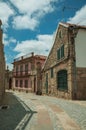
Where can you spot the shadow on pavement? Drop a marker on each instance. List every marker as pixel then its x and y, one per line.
pixel 15 117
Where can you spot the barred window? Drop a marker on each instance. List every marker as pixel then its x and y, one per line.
pixel 62 80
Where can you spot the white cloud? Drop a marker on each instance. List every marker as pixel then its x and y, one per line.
pixel 12 40
pixel 80 17
pixel 32 11
pixel 5 13
pixel 41 45
pixel 7 41
pixel 31 6
pixel 24 22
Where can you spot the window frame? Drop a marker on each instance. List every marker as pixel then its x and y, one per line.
pixel 21 68
pixel 17 69
pixel 62 80
pixel 60 33
pixel 21 83
pixel 16 83
pixel 60 52
pixel 26 68
pixel 52 73
pixel 26 83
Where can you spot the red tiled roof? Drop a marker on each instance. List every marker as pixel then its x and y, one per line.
pixel 41 56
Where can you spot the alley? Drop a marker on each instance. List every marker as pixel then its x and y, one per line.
pixel 50 113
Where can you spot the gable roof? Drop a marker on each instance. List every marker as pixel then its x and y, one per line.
pixel 70 24
pixel 51 47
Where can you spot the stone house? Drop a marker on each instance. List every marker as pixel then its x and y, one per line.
pixel 27 73
pixel 64 72
pixel 2 65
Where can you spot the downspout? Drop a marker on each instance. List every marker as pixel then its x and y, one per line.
pixel 74 31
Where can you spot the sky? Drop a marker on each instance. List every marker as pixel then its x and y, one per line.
pixel 30 25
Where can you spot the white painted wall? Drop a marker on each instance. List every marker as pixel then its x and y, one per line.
pixel 80 48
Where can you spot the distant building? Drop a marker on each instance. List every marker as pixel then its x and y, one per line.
pixel 64 72
pixel 2 65
pixel 25 73
pixel 8 79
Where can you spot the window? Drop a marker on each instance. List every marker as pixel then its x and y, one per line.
pixel 21 69
pixel 46 76
pixel 46 84
pixel 21 83
pixel 16 70
pixel 26 83
pixel 51 72
pixel 60 52
pixel 60 34
pixel 62 80
pixel 16 84
pixel 26 68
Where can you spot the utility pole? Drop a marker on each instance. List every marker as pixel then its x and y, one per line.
pixel 67 8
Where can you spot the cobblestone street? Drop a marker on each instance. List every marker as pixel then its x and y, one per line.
pixel 50 113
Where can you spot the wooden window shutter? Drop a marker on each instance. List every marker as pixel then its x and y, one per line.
pixel 58 54
pixel 62 51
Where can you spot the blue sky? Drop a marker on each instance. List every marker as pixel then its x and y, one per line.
pixel 30 25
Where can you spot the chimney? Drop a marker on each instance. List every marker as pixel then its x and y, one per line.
pixel 32 53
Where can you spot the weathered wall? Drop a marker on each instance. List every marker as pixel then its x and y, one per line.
pixel 65 63
pixel 81 83
pixel 52 58
pixel 2 65
pixel 53 82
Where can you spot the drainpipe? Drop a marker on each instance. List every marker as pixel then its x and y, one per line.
pixel 74 31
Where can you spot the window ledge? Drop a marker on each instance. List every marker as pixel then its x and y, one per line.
pixel 64 90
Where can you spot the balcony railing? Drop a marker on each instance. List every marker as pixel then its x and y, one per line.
pixel 24 57
pixel 22 73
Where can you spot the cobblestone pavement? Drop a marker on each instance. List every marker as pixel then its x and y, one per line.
pixel 50 113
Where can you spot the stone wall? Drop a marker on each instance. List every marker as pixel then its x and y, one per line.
pixel 53 82
pixel 65 63
pixel 81 83
pixel 2 65
pixel 52 58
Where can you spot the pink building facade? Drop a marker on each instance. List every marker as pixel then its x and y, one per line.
pixel 25 72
